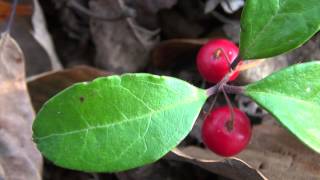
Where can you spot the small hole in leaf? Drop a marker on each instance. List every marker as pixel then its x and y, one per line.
pixel 81 99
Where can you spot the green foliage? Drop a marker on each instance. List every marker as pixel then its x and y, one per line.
pixel 293 97
pixel 272 27
pixel 116 123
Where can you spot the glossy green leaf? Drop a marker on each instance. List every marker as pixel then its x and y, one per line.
pixel 272 27
pixel 292 95
pixel 117 123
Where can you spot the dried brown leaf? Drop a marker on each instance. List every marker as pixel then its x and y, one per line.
pixel 36 58
pixel 233 168
pixel 171 52
pixel 273 153
pixel 123 45
pixel 19 158
pixel 44 86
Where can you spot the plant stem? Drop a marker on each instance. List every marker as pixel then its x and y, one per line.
pixel 235 62
pixel 234 89
pixel 212 90
pixel 230 123
pixel 211 105
pixel 228 89
pixel 225 56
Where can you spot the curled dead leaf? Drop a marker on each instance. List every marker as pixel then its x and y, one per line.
pixel 19 158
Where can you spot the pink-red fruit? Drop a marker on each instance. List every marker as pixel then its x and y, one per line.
pixel 213 58
pixel 223 137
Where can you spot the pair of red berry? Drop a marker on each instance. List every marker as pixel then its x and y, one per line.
pixel 226 131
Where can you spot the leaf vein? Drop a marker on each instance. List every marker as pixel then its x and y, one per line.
pixel 151 113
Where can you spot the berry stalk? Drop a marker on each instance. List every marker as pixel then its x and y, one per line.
pixel 229 123
pixel 235 62
pixel 228 89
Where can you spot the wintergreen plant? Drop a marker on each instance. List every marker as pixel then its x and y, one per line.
pixel 117 123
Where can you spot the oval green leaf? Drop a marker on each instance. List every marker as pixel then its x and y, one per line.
pixel 272 27
pixel 116 123
pixel 292 95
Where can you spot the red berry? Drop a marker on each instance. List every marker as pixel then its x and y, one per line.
pixel 212 62
pixel 221 137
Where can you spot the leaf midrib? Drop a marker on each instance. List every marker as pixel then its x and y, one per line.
pixel 308 142
pixel 250 46
pixel 187 101
pixel 284 96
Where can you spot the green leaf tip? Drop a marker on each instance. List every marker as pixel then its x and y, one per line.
pixel 273 27
pixel 292 96
pixel 117 123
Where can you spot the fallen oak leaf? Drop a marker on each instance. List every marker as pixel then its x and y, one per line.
pixel 19 157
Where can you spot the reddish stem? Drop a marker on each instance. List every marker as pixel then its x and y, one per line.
pixel 230 123
pixel 218 51
pixel 235 62
pixel 228 89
